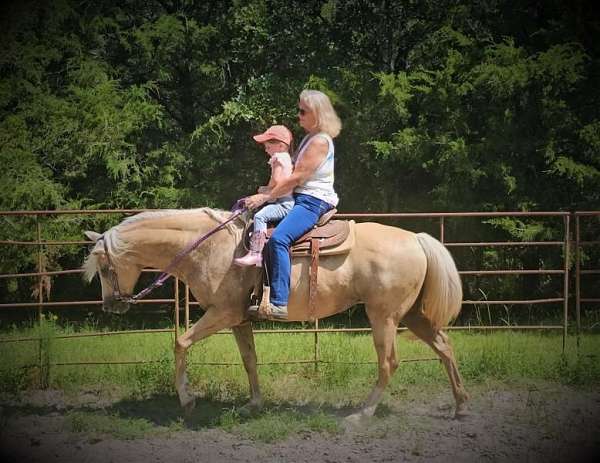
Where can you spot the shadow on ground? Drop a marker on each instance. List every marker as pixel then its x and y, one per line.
pixel 164 410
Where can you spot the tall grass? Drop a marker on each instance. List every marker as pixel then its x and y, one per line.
pixel 344 376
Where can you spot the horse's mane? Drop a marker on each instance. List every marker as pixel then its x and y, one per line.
pixel 117 246
pixel 219 215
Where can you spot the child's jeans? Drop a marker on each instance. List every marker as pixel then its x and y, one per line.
pixel 272 213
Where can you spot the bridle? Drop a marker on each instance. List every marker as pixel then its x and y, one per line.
pixel 111 272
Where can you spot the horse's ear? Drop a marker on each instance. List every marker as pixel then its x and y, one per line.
pixel 92 235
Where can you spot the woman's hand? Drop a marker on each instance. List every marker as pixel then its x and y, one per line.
pixel 263 189
pixel 255 201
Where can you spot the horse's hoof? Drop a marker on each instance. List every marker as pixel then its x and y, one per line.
pixel 188 407
pixel 249 410
pixel 356 420
pixel 353 419
pixel 461 412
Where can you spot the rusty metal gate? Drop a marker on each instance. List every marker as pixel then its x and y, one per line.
pixel 562 246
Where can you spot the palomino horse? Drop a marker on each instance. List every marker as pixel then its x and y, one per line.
pixel 398 275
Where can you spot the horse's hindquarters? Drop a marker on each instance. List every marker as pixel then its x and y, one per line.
pixel 390 267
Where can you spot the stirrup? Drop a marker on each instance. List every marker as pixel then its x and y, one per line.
pixel 275 312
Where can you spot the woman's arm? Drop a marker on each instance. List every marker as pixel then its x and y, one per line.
pixel 312 158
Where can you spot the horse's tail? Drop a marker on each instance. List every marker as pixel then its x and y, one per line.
pixel 441 295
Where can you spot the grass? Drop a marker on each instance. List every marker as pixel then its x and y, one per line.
pixel 99 423
pixel 277 424
pixel 271 426
pixel 299 398
pixel 348 369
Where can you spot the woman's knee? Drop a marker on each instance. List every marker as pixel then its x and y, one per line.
pixel 279 240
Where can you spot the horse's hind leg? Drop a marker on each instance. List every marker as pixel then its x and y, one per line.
pixel 245 341
pixel 384 336
pixel 212 321
pixel 440 343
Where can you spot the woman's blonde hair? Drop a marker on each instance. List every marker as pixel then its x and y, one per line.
pixel 327 119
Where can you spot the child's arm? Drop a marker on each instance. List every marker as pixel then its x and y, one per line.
pixel 276 175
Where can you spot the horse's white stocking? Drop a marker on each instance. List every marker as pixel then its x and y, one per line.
pixel 245 341
pixel 440 343
pixel 186 398
pixel 212 321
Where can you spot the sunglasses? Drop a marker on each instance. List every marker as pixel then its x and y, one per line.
pixel 301 111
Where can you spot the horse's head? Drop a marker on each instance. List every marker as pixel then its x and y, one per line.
pixel 151 239
pixel 118 274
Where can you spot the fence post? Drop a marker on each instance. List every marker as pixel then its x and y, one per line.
pixel 566 281
pixel 176 297
pixel 44 342
pixel 187 307
pixel 39 268
pixel 316 344
pixel 577 280
pixel 442 229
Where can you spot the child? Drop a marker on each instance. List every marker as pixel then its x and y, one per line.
pixel 277 141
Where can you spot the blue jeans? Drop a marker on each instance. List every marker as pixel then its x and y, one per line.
pixel 304 215
pixel 271 213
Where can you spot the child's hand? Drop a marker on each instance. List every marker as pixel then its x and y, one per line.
pixel 255 201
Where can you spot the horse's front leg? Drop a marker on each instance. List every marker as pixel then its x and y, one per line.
pixel 245 341
pixel 212 321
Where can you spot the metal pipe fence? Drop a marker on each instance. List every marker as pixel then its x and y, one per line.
pixel 579 271
pixel 563 245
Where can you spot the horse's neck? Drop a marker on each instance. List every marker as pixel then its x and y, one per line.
pixel 156 247
pixel 153 248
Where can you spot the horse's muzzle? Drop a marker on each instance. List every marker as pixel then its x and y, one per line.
pixel 114 305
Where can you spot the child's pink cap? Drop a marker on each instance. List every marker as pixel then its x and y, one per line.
pixel 275 132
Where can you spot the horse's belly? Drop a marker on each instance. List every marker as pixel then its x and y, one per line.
pixel 335 286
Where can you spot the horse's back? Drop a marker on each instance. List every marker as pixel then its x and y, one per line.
pixel 377 241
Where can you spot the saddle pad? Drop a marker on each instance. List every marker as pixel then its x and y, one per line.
pixel 339 243
pixel 333 231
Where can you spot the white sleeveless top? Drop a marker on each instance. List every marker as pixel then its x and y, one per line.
pixel 320 183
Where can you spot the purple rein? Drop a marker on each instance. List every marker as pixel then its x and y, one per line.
pixel 237 210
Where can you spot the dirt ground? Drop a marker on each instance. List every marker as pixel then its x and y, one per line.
pixel 530 423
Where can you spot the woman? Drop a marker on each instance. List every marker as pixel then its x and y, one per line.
pixel 312 182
